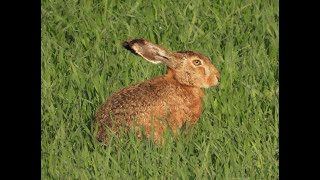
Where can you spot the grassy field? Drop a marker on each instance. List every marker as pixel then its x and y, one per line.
pixel 83 62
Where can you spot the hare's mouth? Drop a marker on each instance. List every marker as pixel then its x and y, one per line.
pixel 212 81
pixel 216 79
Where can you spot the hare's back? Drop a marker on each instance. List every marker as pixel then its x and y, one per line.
pixel 138 100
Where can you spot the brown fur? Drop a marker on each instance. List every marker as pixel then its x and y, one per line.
pixel 173 99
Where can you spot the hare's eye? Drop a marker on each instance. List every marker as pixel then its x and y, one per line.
pixel 196 62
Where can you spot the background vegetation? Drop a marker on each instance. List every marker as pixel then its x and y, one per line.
pixel 83 62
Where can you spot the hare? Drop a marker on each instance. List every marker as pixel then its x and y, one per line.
pixel 171 100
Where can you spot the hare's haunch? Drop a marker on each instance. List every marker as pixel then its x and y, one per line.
pixel 172 99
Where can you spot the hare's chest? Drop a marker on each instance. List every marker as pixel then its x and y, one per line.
pixel 186 103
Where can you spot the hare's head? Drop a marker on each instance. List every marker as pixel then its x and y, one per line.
pixel 189 68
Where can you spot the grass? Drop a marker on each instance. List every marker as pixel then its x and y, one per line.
pixel 83 62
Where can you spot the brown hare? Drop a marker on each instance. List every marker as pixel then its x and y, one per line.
pixel 170 100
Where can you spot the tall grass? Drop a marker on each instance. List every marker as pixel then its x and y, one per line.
pixel 83 62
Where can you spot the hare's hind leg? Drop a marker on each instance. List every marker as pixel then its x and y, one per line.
pixel 101 135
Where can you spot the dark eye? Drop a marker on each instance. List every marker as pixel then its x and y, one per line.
pixel 196 62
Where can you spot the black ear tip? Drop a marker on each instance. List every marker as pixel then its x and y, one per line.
pixel 128 46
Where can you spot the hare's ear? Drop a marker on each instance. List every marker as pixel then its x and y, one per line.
pixel 149 51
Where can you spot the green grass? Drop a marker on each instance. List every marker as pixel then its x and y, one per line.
pixel 83 62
